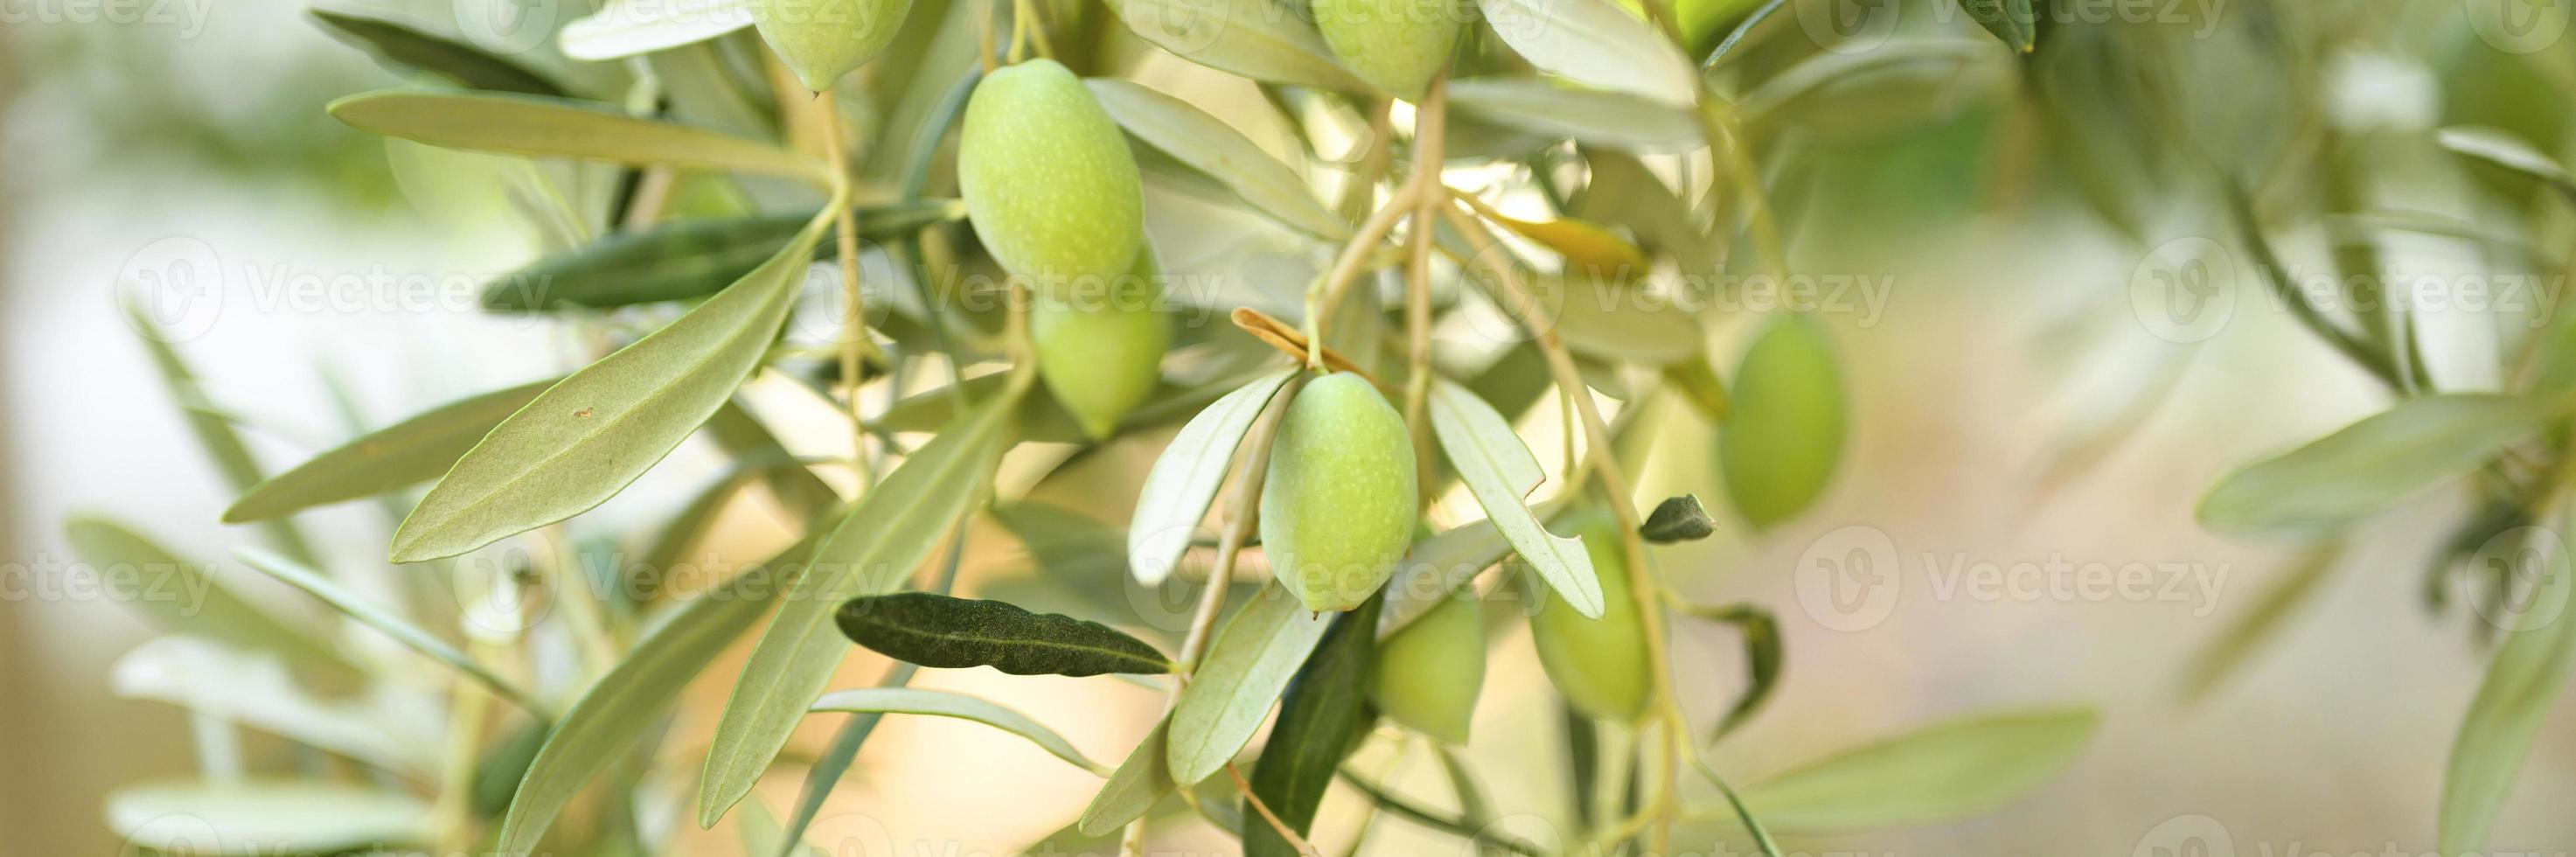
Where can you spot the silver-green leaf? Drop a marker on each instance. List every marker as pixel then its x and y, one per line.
pixel 409 452
pixel 1500 470
pixel 1210 146
pixel 541 126
pixel 1246 667
pixel 1247 37
pixel 2521 684
pixel 1184 481
pixel 1943 772
pixel 2369 466
pixel 1595 43
pixel 940 703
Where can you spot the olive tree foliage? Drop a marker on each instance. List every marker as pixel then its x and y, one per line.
pixel 932 216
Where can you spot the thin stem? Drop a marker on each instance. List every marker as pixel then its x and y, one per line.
pixel 1408 811
pixel 1761 837
pixel 1737 35
pixel 1253 800
pixel 1327 292
pixel 1430 131
pixel 855 343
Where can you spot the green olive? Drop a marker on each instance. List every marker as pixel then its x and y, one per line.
pixel 1599 664
pixel 1784 430
pixel 1338 506
pixel 820 40
pixel 1428 674
pixel 1100 350
pixel 1047 177
pixel 1395 45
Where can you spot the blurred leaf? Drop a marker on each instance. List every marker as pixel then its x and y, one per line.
pixel 1439 565
pixel 1678 519
pixel 2370 465
pixel 1186 477
pixel 762 837
pixel 2235 644
pixel 687 258
pixel 1246 666
pixel 1606 118
pixel 1501 472
pixel 1763 657
pixel 1042 419
pixel 940 703
pixel 1251 38
pixel 1133 788
pixel 869 552
pixel 1697 383
pixel 504 763
pixel 586 438
pixel 618 709
pixel 756 450
pixel 1595 43
pixel 406 453
pixel 536 126
pixel 1615 321
pixel 412 636
pixel 1324 715
pixel 2010 20
pixel 960 633
pixel 1784 431
pixel 2521 684
pixel 1941 773
pixel 1624 192
pixel 179 597
pixel 214 434
pixel 1210 146
pixel 254 689
pixel 625 28
pixel 2505 150
pixel 265 817
pixel 1590 252
pixel 405 47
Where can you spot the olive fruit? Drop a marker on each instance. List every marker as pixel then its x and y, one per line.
pixel 1100 349
pixel 820 40
pixel 1338 506
pixel 1048 180
pixel 1395 45
pixel 1784 430
pixel 1428 674
pixel 1598 664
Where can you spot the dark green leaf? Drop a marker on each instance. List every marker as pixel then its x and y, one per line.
pixel 2010 20
pixel 402 45
pixel 1678 519
pixel 959 633
pixel 412 451
pixel 686 258
pixel 1325 712
pixel 1762 659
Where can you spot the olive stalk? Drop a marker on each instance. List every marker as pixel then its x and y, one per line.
pixel 1429 131
pixel 1327 292
pixel 855 344
pixel 1244 787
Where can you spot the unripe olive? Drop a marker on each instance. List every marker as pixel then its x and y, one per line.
pixel 1784 428
pixel 1428 674
pixel 1100 345
pixel 1048 180
pixel 1395 45
pixel 1338 506
pixel 1598 664
pixel 820 40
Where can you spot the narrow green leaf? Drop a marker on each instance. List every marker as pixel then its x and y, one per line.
pixel 295 574
pixel 265 817
pixel 686 258
pixel 1243 672
pixel 1607 118
pixel 940 703
pixel 180 597
pixel 1325 713
pixel 1185 479
pixel 1042 419
pixel 402 45
pixel 2237 643
pixel 1210 146
pixel 1697 382
pixel 409 452
pixel 625 28
pixel 2521 684
pixel 1763 656
pixel 959 633
pixel 2010 20
pixel 2502 149
pixel 538 126
pixel 1501 471
pixel 1595 43
pixel 1614 321
pixel 868 552
pixel 1944 772
pixel 1783 436
pixel 1678 519
pixel 2370 465
pixel 214 433
pixel 1133 789
pixel 1247 37
pixel 254 689
pixel 617 710
pixel 585 438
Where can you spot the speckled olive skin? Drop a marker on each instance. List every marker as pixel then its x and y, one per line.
pixel 1048 180
pixel 1598 664
pixel 1427 675
pixel 1100 345
pixel 1338 507
pixel 1396 45
pixel 820 40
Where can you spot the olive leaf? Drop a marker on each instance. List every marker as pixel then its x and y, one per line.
pixel 1620 321
pixel 868 552
pixel 1044 420
pixel 1501 471
pixel 266 817
pixel 407 47
pixel 1247 37
pixel 940 703
pixel 1595 43
pixel 1678 519
pixel 1763 656
pixel 2502 149
pixel 1133 788
pixel 1943 772
pixel 1325 712
pixel 2236 643
pixel 587 437
pixel 1783 435
pixel 193 602
pixel 539 126
pixel 2368 466
pixel 2010 20
pixel 623 705
pixel 1185 479
pixel 1616 119
pixel 1590 251
pixel 405 453
pixel 213 431
pixel 2521 684
pixel 958 633
pixel 254 689
pixel 1210 146
pixel 686 258
pixel 625 28
pixel 1697 382
pixel 412 636
pixel 1246 666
